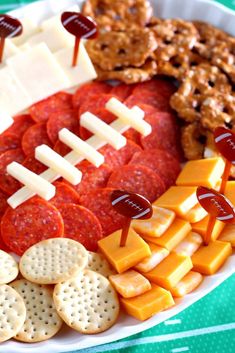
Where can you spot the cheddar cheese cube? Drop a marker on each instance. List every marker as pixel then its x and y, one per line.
pixel 130 284
pixel 170 271
pixel 189 245
pixel 156 225
pixel 208 259
pixel 202 172
pixel 230 191
pixel 187 284
pixel 123 258
pixel 173 236
pixel 196 214
pixel 201 227
pixel 179 199
pixel 228 234
pixel 158 254
pixel 148 304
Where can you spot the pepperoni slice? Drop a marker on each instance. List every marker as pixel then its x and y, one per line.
pixel 99 202
pixel 151 98
pixel 3 202
pixel 122 91
pixel 86 91
pixel 137 178
pixel 8 141
pixel 20 125
pixel 8 184
pixel 42 110
pixel 161 162
pixel 118 158
pixel 82 225
pixel 92 177
pixel 3 245
pixel 64 195
pixel 35 136
pixel 34 165
pixel 59 120
pixel 164 135
pixel 96 106
pixel 29 223
pixel 61 148
pixel 162 86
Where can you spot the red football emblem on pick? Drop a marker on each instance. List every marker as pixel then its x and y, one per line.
pixel 225 142
pixel 216 204
pixel 131 205
pixel 9 27
pixel 79 25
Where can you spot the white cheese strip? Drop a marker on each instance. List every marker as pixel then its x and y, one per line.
pixel 128 116
pixel 33 181
pixel 139 113
pixel 50 175
pixel 5 121
pixel 81 147
pixel 53 160
pixel 84 70
pixel 38 72
pixel 103 130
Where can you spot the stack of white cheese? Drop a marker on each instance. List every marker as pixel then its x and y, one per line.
pixel 37 64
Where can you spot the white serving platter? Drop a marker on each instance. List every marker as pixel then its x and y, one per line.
pixel 68 340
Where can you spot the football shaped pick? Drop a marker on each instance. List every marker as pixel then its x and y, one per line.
pixel 132 206
pixel 9 27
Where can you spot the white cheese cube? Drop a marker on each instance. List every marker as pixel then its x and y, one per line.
pixel 30 27
pixel 56 20
pixel 5 121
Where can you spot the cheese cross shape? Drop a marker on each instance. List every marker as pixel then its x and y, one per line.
pixel 33 181
pixel 128 116
pixel 103 130
pixel 81 147
pixel 54 161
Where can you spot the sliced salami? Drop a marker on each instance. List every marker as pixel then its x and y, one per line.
pixel 35 136
pixel 118 158
pixel 92 177
pixel 139 179
pixel 86 91
pixel 99 202
pixel 3 202
pixel 64 195
pixel 29 223
pixel 161 86
pixel 151 98
pixel 164 135
pixel 122 91
pixel 161 162
pixel 42 110
pixel 34 165
pixel 82 225
pixel 20 125
pixel 62 119
pixel 8 141
pixel 61 148
pixel 8 184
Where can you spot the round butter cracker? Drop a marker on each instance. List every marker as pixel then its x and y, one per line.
pixel 8 268
pixel 53 260
pixel 12 312
pixel 42 321
pixel 87 303
pixel 98 263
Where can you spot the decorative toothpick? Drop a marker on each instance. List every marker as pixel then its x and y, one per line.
pixel 9 27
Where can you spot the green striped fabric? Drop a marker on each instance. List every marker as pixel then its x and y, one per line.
pixel 208 326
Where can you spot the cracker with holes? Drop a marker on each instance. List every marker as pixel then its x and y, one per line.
pixel 98 263
pixel 87 303
pixel 12 312
pixel 8 268
pixel 53 260
pixel 42 321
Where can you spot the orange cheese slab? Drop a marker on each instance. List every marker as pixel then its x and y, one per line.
pixel 187 284
pixel 228 234
pixel 148 304
pixel 158 254
pixel 123 258
pixel 170 271
pixel 179 199
pixel 156 225
pixel 208 259
pixel 202 172
pixel 189 245
pixel 130 284
pixel 201 227
pixel 173 236
pixel 230 191
pixel 196 214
